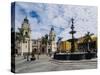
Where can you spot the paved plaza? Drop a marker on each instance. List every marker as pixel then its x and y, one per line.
pixel 45 63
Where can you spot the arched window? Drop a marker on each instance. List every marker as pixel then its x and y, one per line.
pixel 26 33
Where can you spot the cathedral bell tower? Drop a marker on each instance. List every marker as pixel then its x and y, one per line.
pixel 52 37
pixel 26 46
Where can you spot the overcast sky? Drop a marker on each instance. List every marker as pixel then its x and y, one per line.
pixel 43 16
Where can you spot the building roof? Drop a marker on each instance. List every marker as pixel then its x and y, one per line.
pixel 81 40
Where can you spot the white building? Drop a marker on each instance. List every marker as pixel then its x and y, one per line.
pixel 52 37
pixel 25 44
pixel 25 38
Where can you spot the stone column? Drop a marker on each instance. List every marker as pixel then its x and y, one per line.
pixel 21 47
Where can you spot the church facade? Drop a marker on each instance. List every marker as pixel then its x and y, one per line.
pixel 52 37
pixel 25 39
pixel 25 44
pixel 45 48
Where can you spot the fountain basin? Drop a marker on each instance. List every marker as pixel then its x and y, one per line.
pixel 74 56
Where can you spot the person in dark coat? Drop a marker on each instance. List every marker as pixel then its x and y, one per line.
pixel 33 55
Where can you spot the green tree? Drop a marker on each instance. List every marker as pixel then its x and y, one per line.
pixel 87 40
pixel 21 38
pixel 20 35
pixel 45 41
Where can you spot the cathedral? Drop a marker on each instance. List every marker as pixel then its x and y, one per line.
pixel 49 47
pixel 25 44
pixel 25 36
pixel 52 37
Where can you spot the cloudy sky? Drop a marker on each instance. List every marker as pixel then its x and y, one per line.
pixel 43 16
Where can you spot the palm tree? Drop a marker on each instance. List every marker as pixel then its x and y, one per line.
pixel 45 41
pixel 20 37
pixel 58 43
pixel 87 40
pixel 22 40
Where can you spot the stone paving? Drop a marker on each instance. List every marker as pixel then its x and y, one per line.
pixel 45 63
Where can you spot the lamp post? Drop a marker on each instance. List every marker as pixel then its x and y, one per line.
pixel 88 40
pixel 28 55
pixel 46 39
pixel 28 50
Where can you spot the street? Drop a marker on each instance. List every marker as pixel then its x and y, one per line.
pixel 45 63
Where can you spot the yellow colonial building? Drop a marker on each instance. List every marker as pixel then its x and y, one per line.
pixel 64 46
pixel 80 44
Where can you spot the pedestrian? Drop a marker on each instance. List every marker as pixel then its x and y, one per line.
pixel 33 56
pixel 38 55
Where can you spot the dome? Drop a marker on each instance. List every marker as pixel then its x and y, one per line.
pixel 52 28
pixel 25 19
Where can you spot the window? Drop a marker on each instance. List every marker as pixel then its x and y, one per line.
pixel 26 46
pixel 34 42
pixel 26 33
